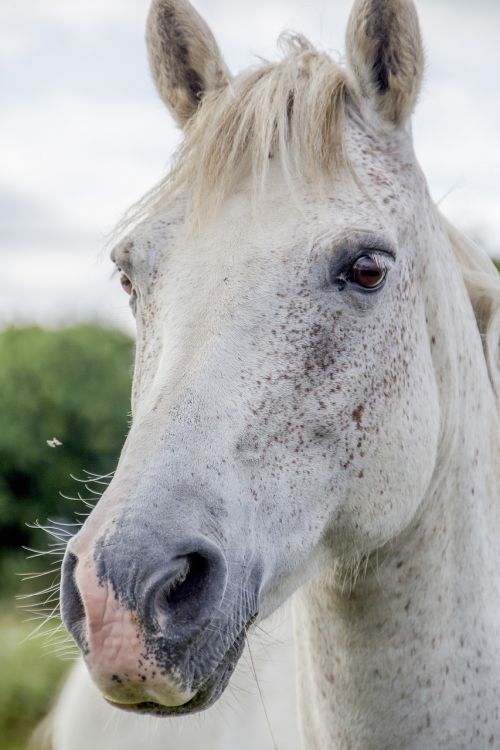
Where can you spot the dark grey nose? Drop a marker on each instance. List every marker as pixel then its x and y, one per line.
pixel 173 595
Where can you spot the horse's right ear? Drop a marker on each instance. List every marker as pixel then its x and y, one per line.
pixel 184 57
pixel 385 53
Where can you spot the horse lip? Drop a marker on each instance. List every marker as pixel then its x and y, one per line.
pixel 202 699
pixel 144 706
pixel 210 690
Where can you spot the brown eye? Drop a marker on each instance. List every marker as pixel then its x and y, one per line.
pixel 126 283
pixel 368 272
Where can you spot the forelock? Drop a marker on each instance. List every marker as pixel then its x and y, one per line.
pixel 292 110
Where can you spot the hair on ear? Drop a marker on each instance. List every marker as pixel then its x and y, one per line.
pixel 184 57
pixel 385 53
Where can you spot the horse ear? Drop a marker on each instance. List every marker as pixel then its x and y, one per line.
pixel 385 53
pixel 184 57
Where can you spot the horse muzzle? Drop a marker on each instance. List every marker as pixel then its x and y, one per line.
pixel 152 627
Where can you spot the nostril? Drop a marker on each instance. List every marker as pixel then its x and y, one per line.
pixel 184 599
pixel 181 597
pixel 72 609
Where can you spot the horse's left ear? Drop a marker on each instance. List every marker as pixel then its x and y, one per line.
pixel 185 60
pixel 385 53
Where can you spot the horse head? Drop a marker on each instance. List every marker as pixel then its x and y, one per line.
pixel 288 280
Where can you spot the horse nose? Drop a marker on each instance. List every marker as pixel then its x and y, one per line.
pixel 175 600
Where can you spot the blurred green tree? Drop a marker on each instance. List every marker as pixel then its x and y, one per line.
pixel 72 384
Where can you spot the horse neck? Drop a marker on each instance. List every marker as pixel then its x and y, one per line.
pixel 409 658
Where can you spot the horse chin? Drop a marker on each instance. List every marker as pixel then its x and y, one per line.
pixel 208 693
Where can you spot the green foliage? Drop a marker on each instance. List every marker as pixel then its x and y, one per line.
pixel 72 384
pixel 29 677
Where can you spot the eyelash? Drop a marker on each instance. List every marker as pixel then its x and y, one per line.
pixel 348 276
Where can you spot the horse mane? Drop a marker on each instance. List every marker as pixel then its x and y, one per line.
pixel 482 282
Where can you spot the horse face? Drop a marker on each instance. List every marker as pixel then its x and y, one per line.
pixel 285 412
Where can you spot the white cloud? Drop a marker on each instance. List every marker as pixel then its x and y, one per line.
pixel 60 287
pixel 88 164
pixel 64 12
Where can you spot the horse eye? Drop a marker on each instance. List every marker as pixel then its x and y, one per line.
pixel 126 283
pixel 368 272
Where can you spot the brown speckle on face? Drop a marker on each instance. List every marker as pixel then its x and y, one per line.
pixel 358 414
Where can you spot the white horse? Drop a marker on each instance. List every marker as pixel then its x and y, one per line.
pixel 315 406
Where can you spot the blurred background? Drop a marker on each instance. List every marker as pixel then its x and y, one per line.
pixel 84 135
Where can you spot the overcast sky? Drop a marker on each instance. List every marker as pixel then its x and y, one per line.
pixel 83 133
